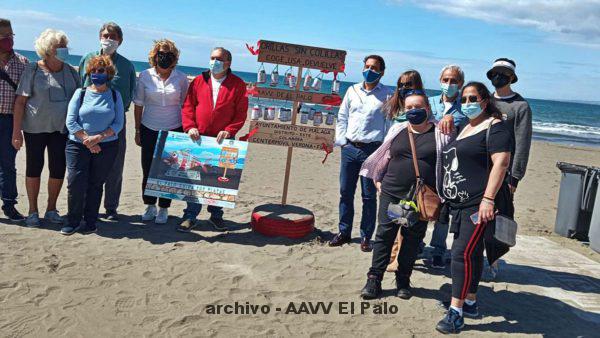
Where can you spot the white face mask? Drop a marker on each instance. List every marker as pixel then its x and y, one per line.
pixel 109 46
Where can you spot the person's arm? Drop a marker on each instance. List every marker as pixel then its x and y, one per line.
pixel 240 111
pixel 71 122
pixel 500 162
pixel 342 123
pixel 523 131
pixel 138 101
pixel 188 112
pixel 19 111
pixel 132 83
pixel 117 124
pixel 81 69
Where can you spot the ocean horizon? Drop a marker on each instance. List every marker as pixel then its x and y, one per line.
pixel 572 122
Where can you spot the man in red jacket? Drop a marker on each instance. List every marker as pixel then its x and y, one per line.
pixel 216 105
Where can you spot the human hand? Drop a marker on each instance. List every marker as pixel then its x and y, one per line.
pixel 378 187
pixel 194 134
pixel 138 139
pixel 222 135
pixel 446 125
pixel 486 211
pixel 91 141
pixel 512 188
pixel 95 149
pixel 17 139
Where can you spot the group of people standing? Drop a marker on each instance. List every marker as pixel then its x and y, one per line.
pixel 78 117
pixel 467 144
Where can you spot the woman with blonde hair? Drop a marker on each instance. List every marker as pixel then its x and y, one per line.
pixel 40 111
pixel 160 92
pixel 96 116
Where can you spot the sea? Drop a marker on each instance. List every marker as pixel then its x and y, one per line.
pixel 570 123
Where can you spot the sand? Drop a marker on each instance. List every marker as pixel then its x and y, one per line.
pixel 135 279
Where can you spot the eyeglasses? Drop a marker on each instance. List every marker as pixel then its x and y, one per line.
pixel 101 70
pixel 469 99
pixel 405 84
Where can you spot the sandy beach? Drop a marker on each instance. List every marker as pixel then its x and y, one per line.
pixel 135 279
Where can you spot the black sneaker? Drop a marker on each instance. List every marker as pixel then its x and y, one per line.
pixel 68 230
pixel 111 215
pixel 403 289
pixel 12 213
pixel 218 223
pixel 471 311
pixel 372 289
pixel 87 229
pixel 452 322
pixel 437 262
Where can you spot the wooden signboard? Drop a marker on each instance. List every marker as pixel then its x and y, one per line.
pixel 302 96
pixel 302 56
pixel 291 135
pixel 283 134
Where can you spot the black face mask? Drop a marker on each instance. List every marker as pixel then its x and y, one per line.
pixel 500 80
pixel 165 59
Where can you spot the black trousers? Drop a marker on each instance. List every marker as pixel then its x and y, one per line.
pixel 35 146
pixel 87 174
pixel 467 252
pixel 386 235
pixel 148 138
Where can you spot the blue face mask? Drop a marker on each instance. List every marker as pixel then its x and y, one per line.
pixel 449 90
pixel 215 66
pixel 99 79
pixel 416 115
pixel 62 54
pixel 471 110
pixel 370 75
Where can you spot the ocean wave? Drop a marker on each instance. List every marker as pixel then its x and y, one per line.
pixel 568 130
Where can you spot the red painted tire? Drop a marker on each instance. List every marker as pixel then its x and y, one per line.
pixel 271 225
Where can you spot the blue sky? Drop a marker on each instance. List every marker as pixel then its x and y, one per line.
pixel 556 44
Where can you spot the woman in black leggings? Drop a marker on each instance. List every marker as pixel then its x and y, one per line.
pixel 474 168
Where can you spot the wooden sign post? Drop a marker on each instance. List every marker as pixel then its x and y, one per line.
pixel 316 138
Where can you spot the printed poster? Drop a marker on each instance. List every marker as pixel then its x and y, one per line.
pixel 202 172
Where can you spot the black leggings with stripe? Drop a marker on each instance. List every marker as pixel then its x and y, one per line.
pixel 467 253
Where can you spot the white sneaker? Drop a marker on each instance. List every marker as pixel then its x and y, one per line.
pixel 162 217
pixel 53 217
pixel 150 213
pixel 33 220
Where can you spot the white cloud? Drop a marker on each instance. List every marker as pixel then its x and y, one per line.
pixel 568 21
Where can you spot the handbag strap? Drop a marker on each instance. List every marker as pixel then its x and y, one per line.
pixel 414 152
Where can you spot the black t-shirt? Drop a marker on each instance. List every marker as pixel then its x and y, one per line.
pixel 400 175
pixel 465 164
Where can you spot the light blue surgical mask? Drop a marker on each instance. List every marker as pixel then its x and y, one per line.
pixel 449 90
pixel 471 110
pixel 215 66
pixel 62 54
pixel 370 75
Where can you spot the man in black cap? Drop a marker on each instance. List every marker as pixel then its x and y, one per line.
pixel 517 115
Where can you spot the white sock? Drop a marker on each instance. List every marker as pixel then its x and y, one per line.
pixel 470 302
pixel 457 309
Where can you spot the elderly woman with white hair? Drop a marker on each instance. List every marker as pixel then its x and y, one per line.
pixel 40 112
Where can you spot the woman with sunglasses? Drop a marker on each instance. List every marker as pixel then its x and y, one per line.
pixel 40 110
pixel 94 119
pixel 474 167
pixel 407 82
pixel 159 95
pixel 392 169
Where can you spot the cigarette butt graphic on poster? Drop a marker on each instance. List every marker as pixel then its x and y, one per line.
pixel 202 171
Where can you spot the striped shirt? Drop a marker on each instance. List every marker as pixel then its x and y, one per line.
pixel 14 68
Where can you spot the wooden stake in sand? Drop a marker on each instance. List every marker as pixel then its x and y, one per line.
pixel 283 134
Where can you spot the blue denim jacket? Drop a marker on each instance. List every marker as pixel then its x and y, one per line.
pixel 437 109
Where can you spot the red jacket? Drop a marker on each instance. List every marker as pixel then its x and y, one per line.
pixel 230 111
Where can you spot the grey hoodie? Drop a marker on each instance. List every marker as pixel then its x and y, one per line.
pixel 517 114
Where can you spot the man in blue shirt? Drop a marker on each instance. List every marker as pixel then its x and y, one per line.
pixel 124 81
pixel 360 130
pixel 446 109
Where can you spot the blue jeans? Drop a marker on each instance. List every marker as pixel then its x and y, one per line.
pixel 193 210
pixel 352 159
pixel 438 239
pixel 8 171
pixel 87 173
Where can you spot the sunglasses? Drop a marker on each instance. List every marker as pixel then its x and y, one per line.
pixel 469 99
pixel 500 73
pixel 405 84
pixel 101 70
